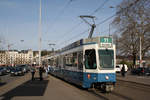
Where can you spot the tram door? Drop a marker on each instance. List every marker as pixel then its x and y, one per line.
pixel 80 66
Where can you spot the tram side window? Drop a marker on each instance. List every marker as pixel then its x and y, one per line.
pixel 54 63
pixel 90 59
pixel 75 60
pixel 80 60
pixel 69 60
pixel 64 61
pixel 51 61
pixel 57 62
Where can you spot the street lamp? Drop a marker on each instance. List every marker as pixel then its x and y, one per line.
pixel 52 44
pixel 40 31
pixel 22 40
pixel 9 57
pixel 109 23
pixel 140 53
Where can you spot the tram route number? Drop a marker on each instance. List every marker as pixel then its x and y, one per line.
pixel 106 42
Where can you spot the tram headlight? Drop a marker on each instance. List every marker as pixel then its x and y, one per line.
pixel 106 77
pixel 89 76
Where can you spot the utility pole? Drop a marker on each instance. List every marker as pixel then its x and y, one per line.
pixel 40 32
pixel 140 53
pixel 109 29
pixel 9 57
pixel 93 26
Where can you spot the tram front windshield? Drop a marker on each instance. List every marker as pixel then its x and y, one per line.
pixel 90 59
pixel 106 58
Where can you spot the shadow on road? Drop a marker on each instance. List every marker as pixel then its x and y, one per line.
pixel 29 88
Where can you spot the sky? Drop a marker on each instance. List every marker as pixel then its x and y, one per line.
pixel 61 24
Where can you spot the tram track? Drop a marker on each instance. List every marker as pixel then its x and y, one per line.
pixel 109 96
pixel 134 85
pixel 97 92
pixel 117 94
pixel 123 90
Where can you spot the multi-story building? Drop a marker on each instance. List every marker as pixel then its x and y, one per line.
pixel 14 57
pixel 3 57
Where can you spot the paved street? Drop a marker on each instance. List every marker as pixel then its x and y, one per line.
pixel 7 79
pixel 52 88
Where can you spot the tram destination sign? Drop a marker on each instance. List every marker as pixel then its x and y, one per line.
pixel 106 42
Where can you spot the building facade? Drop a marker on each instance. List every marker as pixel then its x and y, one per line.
pixel 3 57
pixel 16 57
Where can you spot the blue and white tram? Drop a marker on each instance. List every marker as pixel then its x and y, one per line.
pixel 87 62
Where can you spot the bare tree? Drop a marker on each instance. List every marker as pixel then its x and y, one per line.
pixel 133 22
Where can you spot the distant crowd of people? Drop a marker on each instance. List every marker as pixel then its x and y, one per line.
pixel 41 70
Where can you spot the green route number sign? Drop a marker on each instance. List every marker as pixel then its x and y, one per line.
pixel 105 40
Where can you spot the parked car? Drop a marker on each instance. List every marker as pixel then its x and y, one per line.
pixel 3 71
pixel 8 69
pixel 147 71
pixel 119 67
pixel 138 71
pixel 25 68
pixel 17 71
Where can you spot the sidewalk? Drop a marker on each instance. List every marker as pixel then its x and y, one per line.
pixel 15 83
pixel 134 78
pixel 23 88
pixel 50 88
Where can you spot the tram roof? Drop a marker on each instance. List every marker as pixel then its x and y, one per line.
pixel 88 41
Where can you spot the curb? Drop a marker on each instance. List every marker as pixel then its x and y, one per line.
pixel 134 82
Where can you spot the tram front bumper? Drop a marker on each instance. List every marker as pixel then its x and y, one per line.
pixel 91 78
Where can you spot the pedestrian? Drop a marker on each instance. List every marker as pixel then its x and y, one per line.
pixel 41 73
pixel 123 71
pixel 48 68
pixel 46 71
pixel 32 72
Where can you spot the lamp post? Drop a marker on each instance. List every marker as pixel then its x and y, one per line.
pixel 40 31
pixel 52 44
pixel 9 57
pixel 23 59
pixel 109 29
pixel 109 23
pixel 140 53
